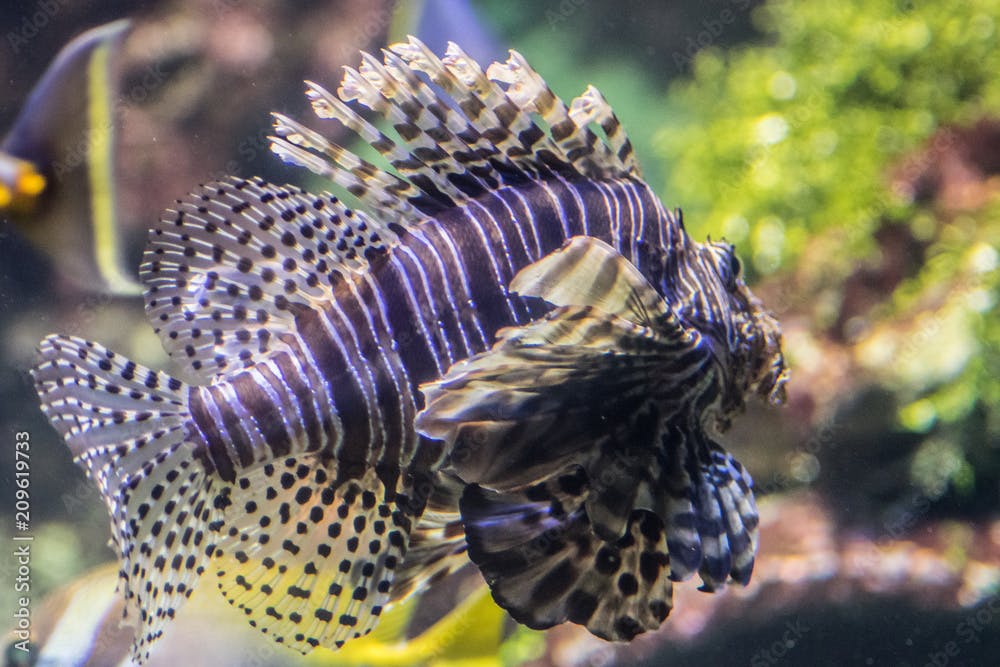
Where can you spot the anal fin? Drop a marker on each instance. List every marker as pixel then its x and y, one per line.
pixel 308 561
pixel 437 544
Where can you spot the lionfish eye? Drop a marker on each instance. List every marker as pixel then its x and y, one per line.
pixel 728 265
pixel 735 266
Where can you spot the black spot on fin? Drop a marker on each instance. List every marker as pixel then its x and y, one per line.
pixel 437 544
pixel 126 426
pixel 309 562
pixel 619 395
pixel 227 271
pixel 545 565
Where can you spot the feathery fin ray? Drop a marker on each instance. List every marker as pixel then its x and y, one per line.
pixel 126 426
pixel 227 271
pixel 309 562
pixel 478 137
pixel 581 421
pixel 545 566
pixel 602 382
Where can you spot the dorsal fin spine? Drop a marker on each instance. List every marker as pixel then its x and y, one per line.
pixel 479 136
pixel 460 142
pixel 473 93
pixel 507 115
pixel 416 56
pixel 437 146
pixel 304 137
pixel 528 90
pixel 591 107
pixel 397 205
pixel 327 105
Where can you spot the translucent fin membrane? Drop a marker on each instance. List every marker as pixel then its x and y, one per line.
pixel 227 271
pixel 474 132
pixel 126 426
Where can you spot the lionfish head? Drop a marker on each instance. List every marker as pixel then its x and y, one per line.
pixel 744 335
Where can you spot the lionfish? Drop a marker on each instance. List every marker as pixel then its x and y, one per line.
pixel 510 352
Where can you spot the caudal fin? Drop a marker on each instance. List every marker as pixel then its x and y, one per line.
pixel 127 427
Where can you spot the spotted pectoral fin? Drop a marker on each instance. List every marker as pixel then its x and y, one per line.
pixel 553 393
pixel 588 272
pixel 545 566
pixel 309 561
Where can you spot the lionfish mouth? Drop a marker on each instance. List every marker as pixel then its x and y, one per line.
pixel 770 374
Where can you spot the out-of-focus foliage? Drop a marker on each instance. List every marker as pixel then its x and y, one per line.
pixel 774 144
pixel 802 151
pixel 628 49
pixel 940 352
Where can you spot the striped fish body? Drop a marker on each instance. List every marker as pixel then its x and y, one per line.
pixel 509 350
pixel 351 387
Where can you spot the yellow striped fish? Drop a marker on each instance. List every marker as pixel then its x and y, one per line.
pixel 80 626
pixel 508 352
pixel 57 180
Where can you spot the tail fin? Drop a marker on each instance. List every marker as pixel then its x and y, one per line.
pixel 127 427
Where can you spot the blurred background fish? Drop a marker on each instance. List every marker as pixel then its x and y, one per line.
pixel 80 625
pixel 57 166
pixel 58 162
pixel 436 22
